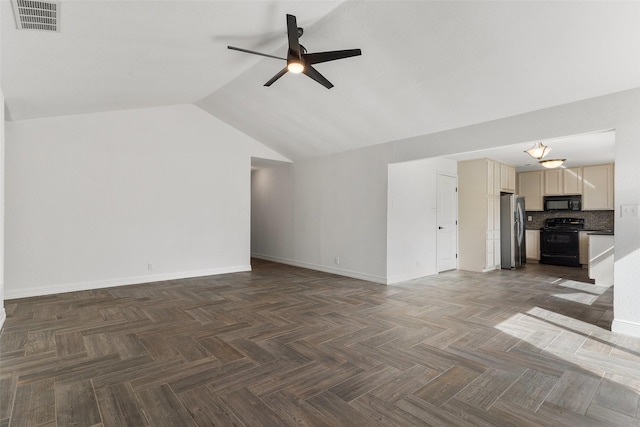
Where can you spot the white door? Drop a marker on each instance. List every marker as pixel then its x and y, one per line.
pixel 447 219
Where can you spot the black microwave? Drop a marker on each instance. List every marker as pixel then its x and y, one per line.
pixel 562 203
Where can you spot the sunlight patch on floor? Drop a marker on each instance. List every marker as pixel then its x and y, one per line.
pixel 578 297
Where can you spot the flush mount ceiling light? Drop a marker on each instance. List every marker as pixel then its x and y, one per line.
pixel 552 163
pixel 538 151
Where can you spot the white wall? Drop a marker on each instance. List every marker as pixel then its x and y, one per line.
pixel 411 218
pixel 3 314
pixel 272 190
pixel 311 212
pixel 322 226
pixel 92 199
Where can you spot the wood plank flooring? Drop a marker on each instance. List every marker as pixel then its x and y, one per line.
pixel 285 346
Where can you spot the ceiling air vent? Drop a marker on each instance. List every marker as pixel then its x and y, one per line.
pixel 37 15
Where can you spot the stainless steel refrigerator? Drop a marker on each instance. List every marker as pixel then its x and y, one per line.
pixel 512 236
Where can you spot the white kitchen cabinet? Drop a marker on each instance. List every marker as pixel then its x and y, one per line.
pixel 478 215
pixel 584 248
pixel 493 178
pixel 597 187
pixel 530 185
pixel 571 180
pixel 562 181
pixel 507 178
pixel 553 182
pixel 532 244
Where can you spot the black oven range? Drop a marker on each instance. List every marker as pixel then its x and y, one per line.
pixel 560 241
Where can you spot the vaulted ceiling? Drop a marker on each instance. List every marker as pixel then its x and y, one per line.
pixel 426 66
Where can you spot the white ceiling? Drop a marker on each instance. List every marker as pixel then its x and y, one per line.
pixel 426 66
pixel 578 150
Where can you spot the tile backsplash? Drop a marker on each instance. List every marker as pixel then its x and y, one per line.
pixel 593 220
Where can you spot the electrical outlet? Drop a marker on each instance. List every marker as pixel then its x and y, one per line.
pixel 629 211
pixel 337 260
pixel 149 266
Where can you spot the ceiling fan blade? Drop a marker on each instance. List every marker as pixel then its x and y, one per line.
pixel 315 75
pixel 318 57
pixel 292 34
pixel 255 53
pixel 277 76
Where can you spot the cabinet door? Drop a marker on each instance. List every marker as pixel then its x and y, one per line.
pixel 553 182
pixel 530 185
pixel 572 180
pixel 512 178
pixel 507 178
pixel 532 244
pixel 584 248
pixel 493 233
pixel 493 178
pixel 597 188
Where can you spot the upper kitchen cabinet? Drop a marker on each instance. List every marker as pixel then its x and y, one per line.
pixel 531 186
pixel 500 177
pixel 493 176
pixel 597 187
pixel 594 183
pixel 561 181
pixel 572 180
pixel 507 178
pixel 553 182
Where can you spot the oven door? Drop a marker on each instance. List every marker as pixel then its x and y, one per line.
pixel 559 247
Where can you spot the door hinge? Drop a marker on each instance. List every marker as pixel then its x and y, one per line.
pixel 456 256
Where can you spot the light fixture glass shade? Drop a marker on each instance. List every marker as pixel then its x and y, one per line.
pixel 538 151
pixel 295 67
pixel 552 163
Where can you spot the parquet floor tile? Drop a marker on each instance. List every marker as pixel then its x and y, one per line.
pixel 282 346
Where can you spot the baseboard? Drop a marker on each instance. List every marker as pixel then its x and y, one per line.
pixel 625 327
pixel 323 268
pixel 110 283
pixel 392 280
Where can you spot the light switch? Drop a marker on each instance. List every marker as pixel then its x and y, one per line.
pixel 629 211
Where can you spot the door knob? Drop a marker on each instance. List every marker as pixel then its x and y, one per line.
pixel 440 228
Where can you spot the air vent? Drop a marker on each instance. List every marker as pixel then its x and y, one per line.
pixel 37 15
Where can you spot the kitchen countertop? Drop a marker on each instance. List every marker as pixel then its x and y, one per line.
pixel 589 231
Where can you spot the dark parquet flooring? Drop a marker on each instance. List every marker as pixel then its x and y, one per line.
pixel 284 346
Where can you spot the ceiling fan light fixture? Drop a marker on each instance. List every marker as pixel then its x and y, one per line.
pixel 295 67
pixel 298 60
pixel 552 163
pixel 538 151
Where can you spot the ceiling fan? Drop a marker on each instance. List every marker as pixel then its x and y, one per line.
pixel 298 60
